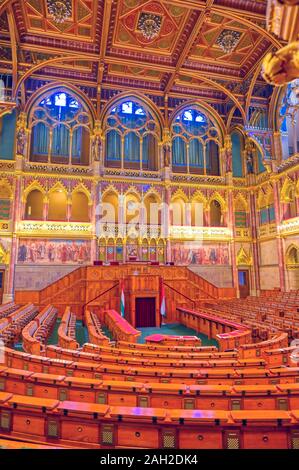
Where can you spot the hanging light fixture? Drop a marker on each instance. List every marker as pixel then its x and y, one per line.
pixel 150 25
pixel 60 10
pixel 228 40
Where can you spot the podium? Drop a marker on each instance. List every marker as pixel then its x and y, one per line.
pixel 143 294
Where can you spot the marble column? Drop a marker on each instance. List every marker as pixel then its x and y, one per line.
pixel 280 242
pixel 255 249
pixel 16 216
pixel 231 226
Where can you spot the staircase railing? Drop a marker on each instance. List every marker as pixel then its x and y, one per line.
pixel 98 297
pixel 180 293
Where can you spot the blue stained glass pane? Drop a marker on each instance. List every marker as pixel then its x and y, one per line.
pixel 187 116
pixel 60 100
pixel 127 108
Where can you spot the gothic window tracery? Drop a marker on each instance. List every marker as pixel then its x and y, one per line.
pixel 60 130
pixel 132 136
pixel 195 143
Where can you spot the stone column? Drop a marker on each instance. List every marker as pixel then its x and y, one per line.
pixel 255 250
pixel 69 208
pixel 16 217
pixel 231 226
pixel 93 217
pixel 166 222
pixel 280 241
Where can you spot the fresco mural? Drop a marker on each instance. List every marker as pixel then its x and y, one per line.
pixel 39 251
pixel 200 254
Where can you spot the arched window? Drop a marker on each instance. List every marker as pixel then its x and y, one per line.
pixel 178 211
pixel 290 205
pixel 57 205
pixel 5 201
pixel 133 207
pixel 132 148
pixel 241 218
pixel 179 152
pixel 110 207
pixel 152 210
pixel 2 90
pixel 195 143
pixel 80 211
pixel 293 256
pixel 216 214
pixel 34 205
pixel 60 130
pixel 113 148
pixel 150 152
pixel 132 136
pixel 237 151
pixel 288 120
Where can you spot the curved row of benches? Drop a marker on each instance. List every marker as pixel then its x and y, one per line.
pixel 7 309
pixel 86 425
pixel 149 362
pixel 12 325
pixel 94 328
pixel 35 334
pixel 260 349
pixel 91 367
pixel 283 396
pixel 229 334
pixel 67 330
pixel 119 327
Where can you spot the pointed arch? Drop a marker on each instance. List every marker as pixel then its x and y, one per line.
pixel 240 202
pixel 292 255
pixel 4 255
pixel 58 197
pixel 34 198
pixel 144 101
pixel 6 191
pixel 217 197
pixel 287 192
pixel 179 193
pixel 58 186
pixel 35 185
pixel 244 258
pixel 81 188
pixel 132 190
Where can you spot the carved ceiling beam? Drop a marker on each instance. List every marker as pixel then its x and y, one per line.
pixel 103 47
pixel 221 88
pixel 5 4
pixel 195 5
pixel 13 40
pixel 246 22
pixel 189 44
pixel 253 82
pixel 140 63
pixel 46 63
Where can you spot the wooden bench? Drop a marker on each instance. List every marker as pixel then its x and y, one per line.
pixel 67 331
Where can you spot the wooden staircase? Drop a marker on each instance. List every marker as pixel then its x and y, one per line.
pixel 98 286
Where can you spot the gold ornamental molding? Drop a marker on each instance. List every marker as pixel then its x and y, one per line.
pixel 5 227
pixel 200 233
pixel 243 234
pixel 267 231
pixel 290 227
pixel 54 229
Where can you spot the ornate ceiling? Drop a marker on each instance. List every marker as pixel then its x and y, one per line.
pixel 101 48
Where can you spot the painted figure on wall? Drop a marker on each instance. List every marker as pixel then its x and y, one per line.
pixel 249 157
pixel 185 254
pixel 166 154
pixel 54 251
pixel 228 154
pixel 21 142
